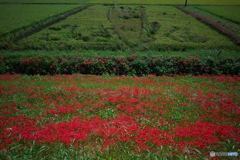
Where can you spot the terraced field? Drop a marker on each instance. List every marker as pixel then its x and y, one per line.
pixel 180 29
pixel 43 1
pixel 229 12
pixel 191 2
pixel 132 27
pixel 76 29
pixel 16 16
pixel 224 25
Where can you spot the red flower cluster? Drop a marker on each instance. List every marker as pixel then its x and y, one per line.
pixel 150 113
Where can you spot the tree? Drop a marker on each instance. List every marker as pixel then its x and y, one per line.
pixel 186 3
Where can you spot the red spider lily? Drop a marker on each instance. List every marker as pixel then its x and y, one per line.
pixel 202 134
pixel 68 114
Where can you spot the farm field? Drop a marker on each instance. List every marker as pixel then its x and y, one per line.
pixel 229 12
pixel 43 1
pixel 103 117
pixel 14 17
pixel 225 23
pixel 76 29
pixel 182 30
pixel 190 2
pixel 128 27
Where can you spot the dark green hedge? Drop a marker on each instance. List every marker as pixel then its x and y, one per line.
pixel 125 65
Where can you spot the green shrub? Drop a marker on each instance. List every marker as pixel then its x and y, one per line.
pixel 126 65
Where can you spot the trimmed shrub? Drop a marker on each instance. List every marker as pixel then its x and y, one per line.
pixel 128 65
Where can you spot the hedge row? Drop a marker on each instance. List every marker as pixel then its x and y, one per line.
pixel 67 46
pixel 103 46
pixel 128 65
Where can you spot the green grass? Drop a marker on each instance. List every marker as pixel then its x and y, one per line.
pixel 191 2
pixel 128 28
pixel 93 53
pixel 229 12
pixel 14 17
pixel 78 29
pixel 228 24
pixel 180 29
pixel 43 1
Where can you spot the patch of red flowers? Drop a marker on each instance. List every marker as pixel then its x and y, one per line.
pixel 141 118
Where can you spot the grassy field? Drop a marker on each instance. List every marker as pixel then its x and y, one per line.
pixel 81 28
pixel 129 27
pixel 43 1
pixel 225 23
pixel 180 29
pixel 13 17
pixel 229 12
pixel 201 53
pixel 190 2
pixel 103 117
